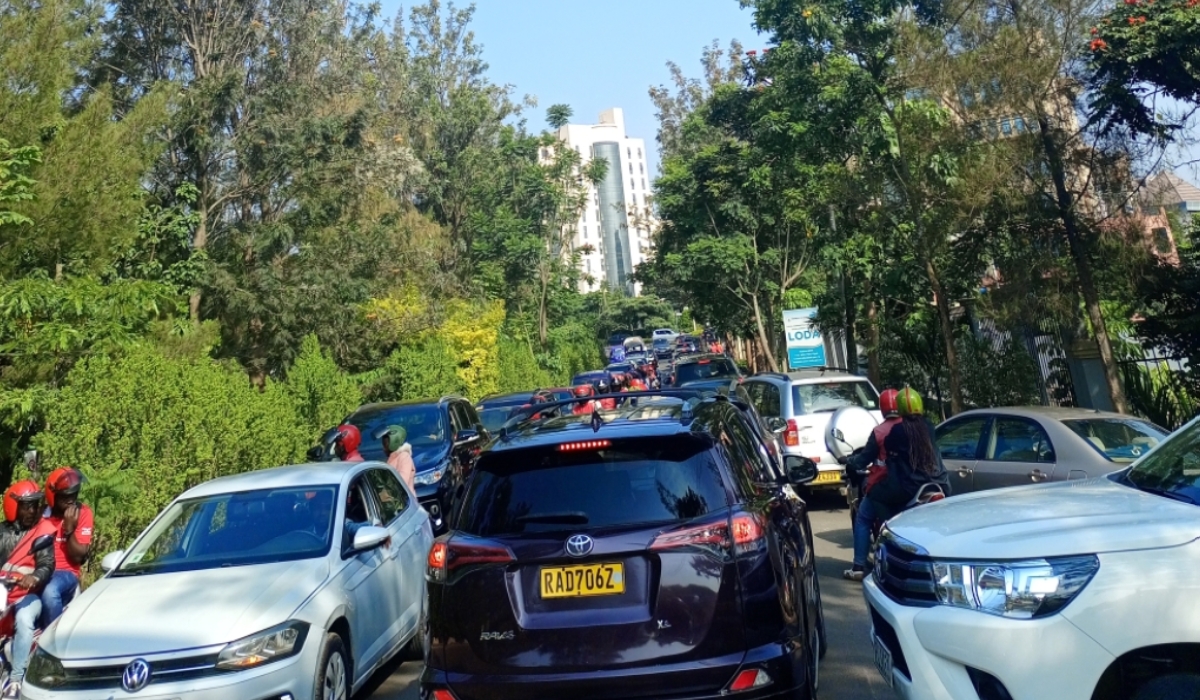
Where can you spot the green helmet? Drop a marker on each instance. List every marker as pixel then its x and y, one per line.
pixel 909 402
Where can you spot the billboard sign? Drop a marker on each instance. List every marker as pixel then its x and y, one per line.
pixel 805 345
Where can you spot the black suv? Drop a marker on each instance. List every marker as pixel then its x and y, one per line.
pixel 446 436
pixel 653 552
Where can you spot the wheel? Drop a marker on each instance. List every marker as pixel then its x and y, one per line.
pixel 812 670
pixel 1176 686
pixel 333 673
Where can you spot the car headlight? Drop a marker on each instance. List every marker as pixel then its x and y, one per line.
pixel 1025 589
pixel 269 645
pixel 44 670
pixel 430 477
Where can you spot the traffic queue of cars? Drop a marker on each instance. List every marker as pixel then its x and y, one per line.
pixel 661 549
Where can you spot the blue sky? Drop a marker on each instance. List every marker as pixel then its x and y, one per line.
pixel 594 55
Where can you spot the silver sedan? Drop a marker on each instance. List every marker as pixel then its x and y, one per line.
pixel 996 447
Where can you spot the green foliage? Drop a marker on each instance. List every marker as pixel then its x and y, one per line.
pixel 998 377
pixel 321 392
pixel 15 185
pixel 144 428
pixel 1160 394
pixel 520 370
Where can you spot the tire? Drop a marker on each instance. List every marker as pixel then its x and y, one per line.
pixel 822 637
pixel 1177 686
pixel 812 670
pixel 333 672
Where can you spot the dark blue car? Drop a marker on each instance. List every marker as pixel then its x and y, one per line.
pixel 658 554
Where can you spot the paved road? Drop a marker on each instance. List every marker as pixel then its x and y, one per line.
pixel 848 672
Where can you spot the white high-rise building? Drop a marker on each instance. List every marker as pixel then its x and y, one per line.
pixel 617 222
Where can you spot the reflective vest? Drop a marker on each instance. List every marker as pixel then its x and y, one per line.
pixel 22 562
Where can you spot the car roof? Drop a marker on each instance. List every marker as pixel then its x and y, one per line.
pixel 506 399
pixel 385 406
pixel 1051 412
pixel 812 376
pixel 627 424
pixel 698 357
pixel 311 474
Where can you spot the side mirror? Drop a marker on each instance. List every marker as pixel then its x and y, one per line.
pixel 316 452
pixel 111 560
pixel 370 537
pixel 776 424
pixel 800 470
pixel 465 435
pixel 41 544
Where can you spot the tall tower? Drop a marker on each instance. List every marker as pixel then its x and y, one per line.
pixel 616 223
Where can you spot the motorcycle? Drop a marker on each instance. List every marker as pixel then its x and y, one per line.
pixel 8 618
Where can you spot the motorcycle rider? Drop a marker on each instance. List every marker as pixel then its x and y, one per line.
pixel 399 452
pixel 912 461
pixel 872 458
pixel 24 524
pixel 73 522
pixel 584 407
pixel 636 383
pixel 346 442
pixel 606 402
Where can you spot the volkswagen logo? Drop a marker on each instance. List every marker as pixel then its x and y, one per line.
pixel 136 675
pixel 580 545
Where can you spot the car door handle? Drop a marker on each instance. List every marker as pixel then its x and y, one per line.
pixel 1037 475
pixel 964 472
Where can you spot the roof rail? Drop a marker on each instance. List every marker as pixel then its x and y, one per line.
pixel 780 375
pixel 525 414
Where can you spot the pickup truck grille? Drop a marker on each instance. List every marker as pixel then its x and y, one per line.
pixel 906 577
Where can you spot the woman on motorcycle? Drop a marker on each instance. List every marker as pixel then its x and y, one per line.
pixel 913 460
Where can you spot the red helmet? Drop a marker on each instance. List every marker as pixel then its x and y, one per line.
pixel 26 491
pixel 64 480
pixel 349 436
pixel 888 404
pixel 583 390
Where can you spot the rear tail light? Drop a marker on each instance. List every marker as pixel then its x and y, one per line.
pixel 445 557
pixel 749 679
pixel 747 535
pixel 441 694
pixel 791 437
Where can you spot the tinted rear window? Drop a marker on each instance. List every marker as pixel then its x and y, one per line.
pixel 705 369
pixel 830 396
pixel 634 482
pixel 426 425
pixel 1120 440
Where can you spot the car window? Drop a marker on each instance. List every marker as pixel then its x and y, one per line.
pixel 705 369
pixel 1174 468
pixel 959 439
pixel 236 529
pixel 827 397
pixel 770 401
pixel 389 493
pixel 634 481
pixel 1019 440
pixel 495 418
pixel 425 423
pixel 1120 440
pixel 749 471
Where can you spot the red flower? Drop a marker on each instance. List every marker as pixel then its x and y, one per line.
pixel 1100 44
pixel 1095 31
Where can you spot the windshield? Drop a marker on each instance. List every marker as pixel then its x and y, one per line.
pixel 828 397
pixel 236 529
pixel 1120 440
pixel 495 418
pixel 704 369
pixel 425 423
pixel 634 482
pixel 1174 468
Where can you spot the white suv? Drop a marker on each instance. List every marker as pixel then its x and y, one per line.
pixel 799 405
pixel 1078 590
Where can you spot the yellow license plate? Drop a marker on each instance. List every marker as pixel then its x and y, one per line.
pixel 582 580
pixel 828 477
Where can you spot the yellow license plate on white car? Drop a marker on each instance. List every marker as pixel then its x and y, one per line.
pixel 582 580
pixel 832 477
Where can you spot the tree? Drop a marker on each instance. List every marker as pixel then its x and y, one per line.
pixel 14 183
pixel 559 116
pixel 1141 51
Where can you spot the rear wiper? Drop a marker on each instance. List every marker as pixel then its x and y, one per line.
pixel 566 518
pixel 1175 495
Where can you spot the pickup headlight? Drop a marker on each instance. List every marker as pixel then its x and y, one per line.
pixel 430 477
pixel 44 670
pixel 269 645
pixel 1025 589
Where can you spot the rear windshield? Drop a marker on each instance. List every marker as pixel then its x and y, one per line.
pixel 634 482
pixel 495 418
pixel 1120 440
pixel 830 396
pixel 425 424
pixel 705 369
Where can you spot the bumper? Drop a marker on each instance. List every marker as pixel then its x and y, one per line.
pixel 936 651
pixel 293 677
pixel 693 680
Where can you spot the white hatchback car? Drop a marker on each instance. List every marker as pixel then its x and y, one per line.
pixel 1078 590
pixel 285 584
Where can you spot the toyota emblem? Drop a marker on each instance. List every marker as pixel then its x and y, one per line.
pixel 580 545
pixel 136 675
